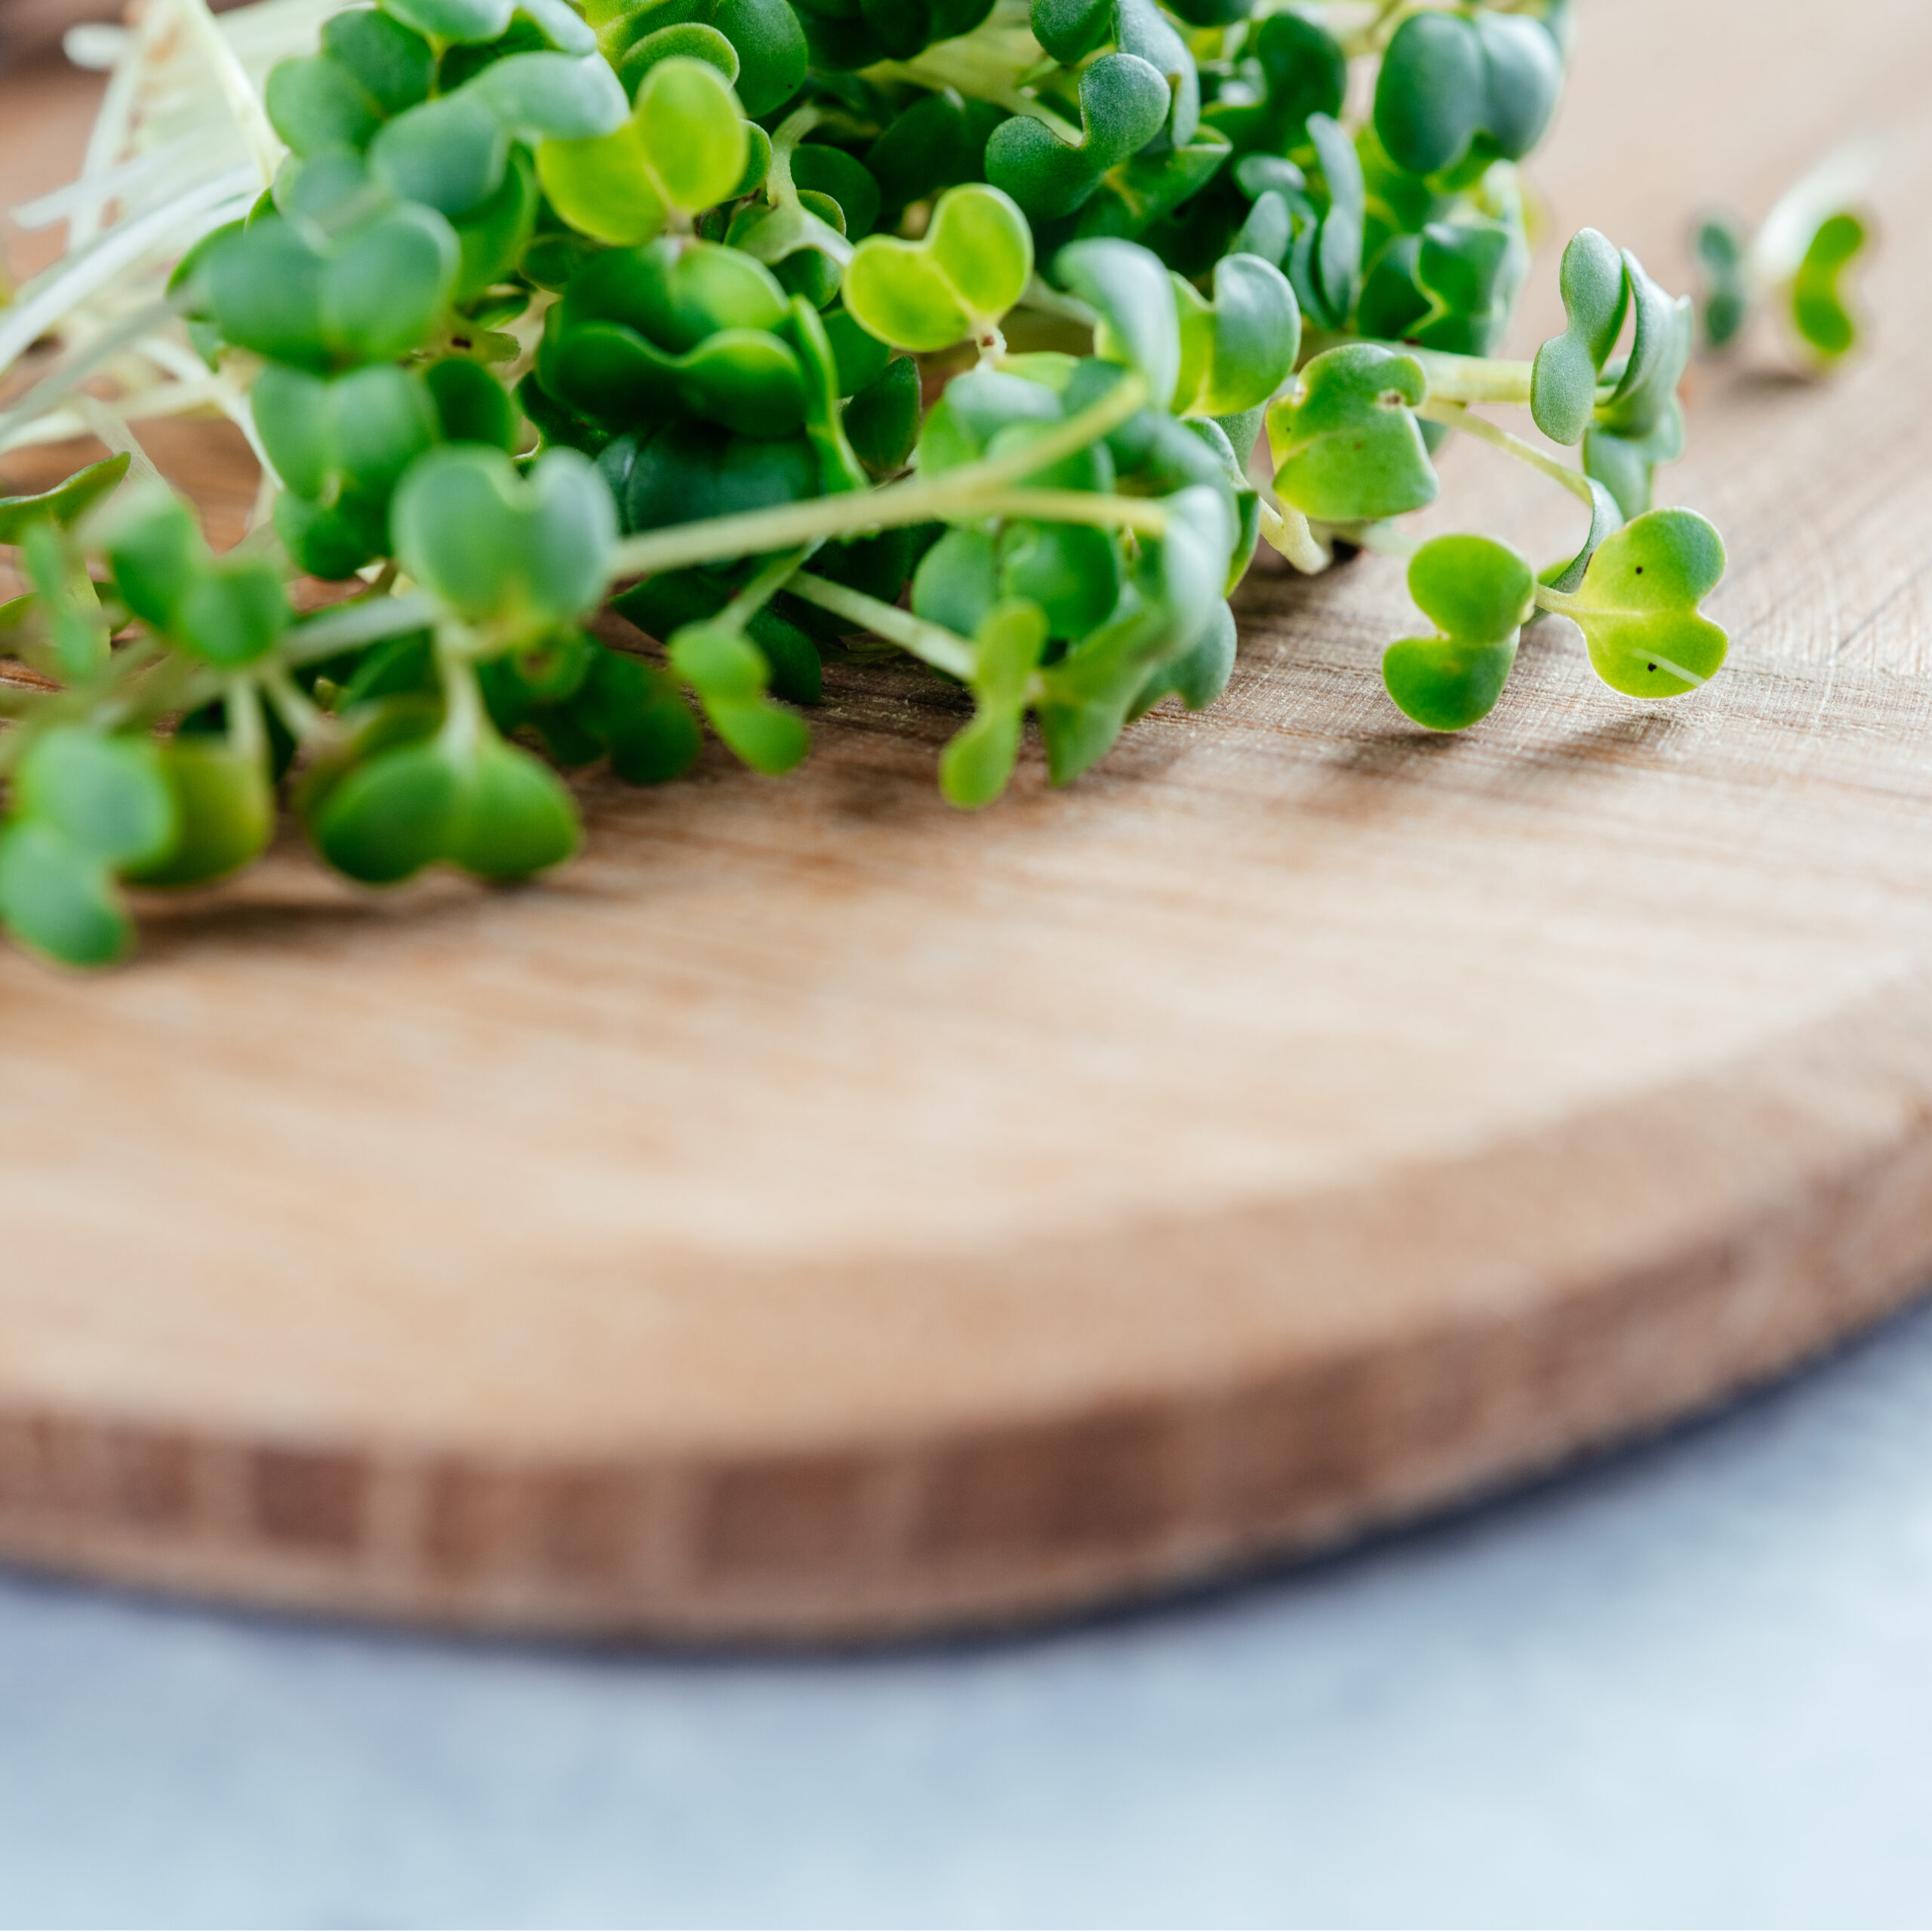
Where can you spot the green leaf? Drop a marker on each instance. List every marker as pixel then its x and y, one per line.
pixel 316 105
pixel 388 817
pixel 76 627
pixel 449 154
pixel 1819 311
pixel 1306 72
pixel 1719 246
pixel 1236 352
pixel 1448 77
pixel 1346 442
pixel 105 795
pixel 60 899
pixel 1606 515
pixel 357 431
pixel 1624 464
pixel 1124 103
pixel 1478 593
pixel 471 405
pixel 224 809
pixel 154 550
pixel 729 675
pixel 234 611
pixel 1636 606
pixel 1332 272
pixel 968 269
pixel 684 147
pixel 521 553
pixel 368 296
pixel 513 817
pixel 882 419
pixel 1660 346
pixel 1132 292
pixel 391 64
pixel 67 502
pixel 978 762
pixel 553 97
pixel 469 22
pixel 1563 380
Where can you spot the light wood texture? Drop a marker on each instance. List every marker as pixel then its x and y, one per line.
pixel 820 1213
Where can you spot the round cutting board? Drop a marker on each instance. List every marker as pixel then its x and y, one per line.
pixel 820 1212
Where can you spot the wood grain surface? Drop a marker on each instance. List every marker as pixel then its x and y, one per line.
pixel 819 1213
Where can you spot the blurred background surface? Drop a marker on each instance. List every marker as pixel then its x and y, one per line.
pixel 1688 1687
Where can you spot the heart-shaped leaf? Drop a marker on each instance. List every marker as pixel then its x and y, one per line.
pixel 1636 606
pixel 1448 77
pixel 971 265
pixel 1346 442
pixel 1596 294
pixel 1478 593
pixel 519 553
pixel 1124 102
pixel 684 147
pixel 368 296
pixel 359 431
pixel 744 379
pixel 1305 72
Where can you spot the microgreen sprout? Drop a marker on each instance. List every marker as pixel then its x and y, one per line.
pixel 772 325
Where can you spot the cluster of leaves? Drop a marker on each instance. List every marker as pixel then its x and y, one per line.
pixel 776 322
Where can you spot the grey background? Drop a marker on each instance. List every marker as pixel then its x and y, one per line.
pixel 1688 1686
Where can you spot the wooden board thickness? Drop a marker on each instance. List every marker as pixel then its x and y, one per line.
pixel 819 1213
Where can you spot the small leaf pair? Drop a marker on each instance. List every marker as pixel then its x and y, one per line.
pixel 228 610
pixel 403 797
pixel 515 555
pixel 1451 78
pixel 1636 606
pixel 958 280
pixel 684 149
pixel 325 301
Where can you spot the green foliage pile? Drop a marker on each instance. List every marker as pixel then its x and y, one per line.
pixel 550 307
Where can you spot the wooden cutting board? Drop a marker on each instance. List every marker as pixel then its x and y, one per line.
pixel 818 1213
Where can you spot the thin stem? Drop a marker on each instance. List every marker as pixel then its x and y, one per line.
pixel 247 735
pixel 1470 378
pixel 763 588
pixel 1104 511
pixel 944 649
pixel 1456 415
pixel 958 492
pixel 364 620
pixel 1287 531
pixel 298 710
pixel 250 116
